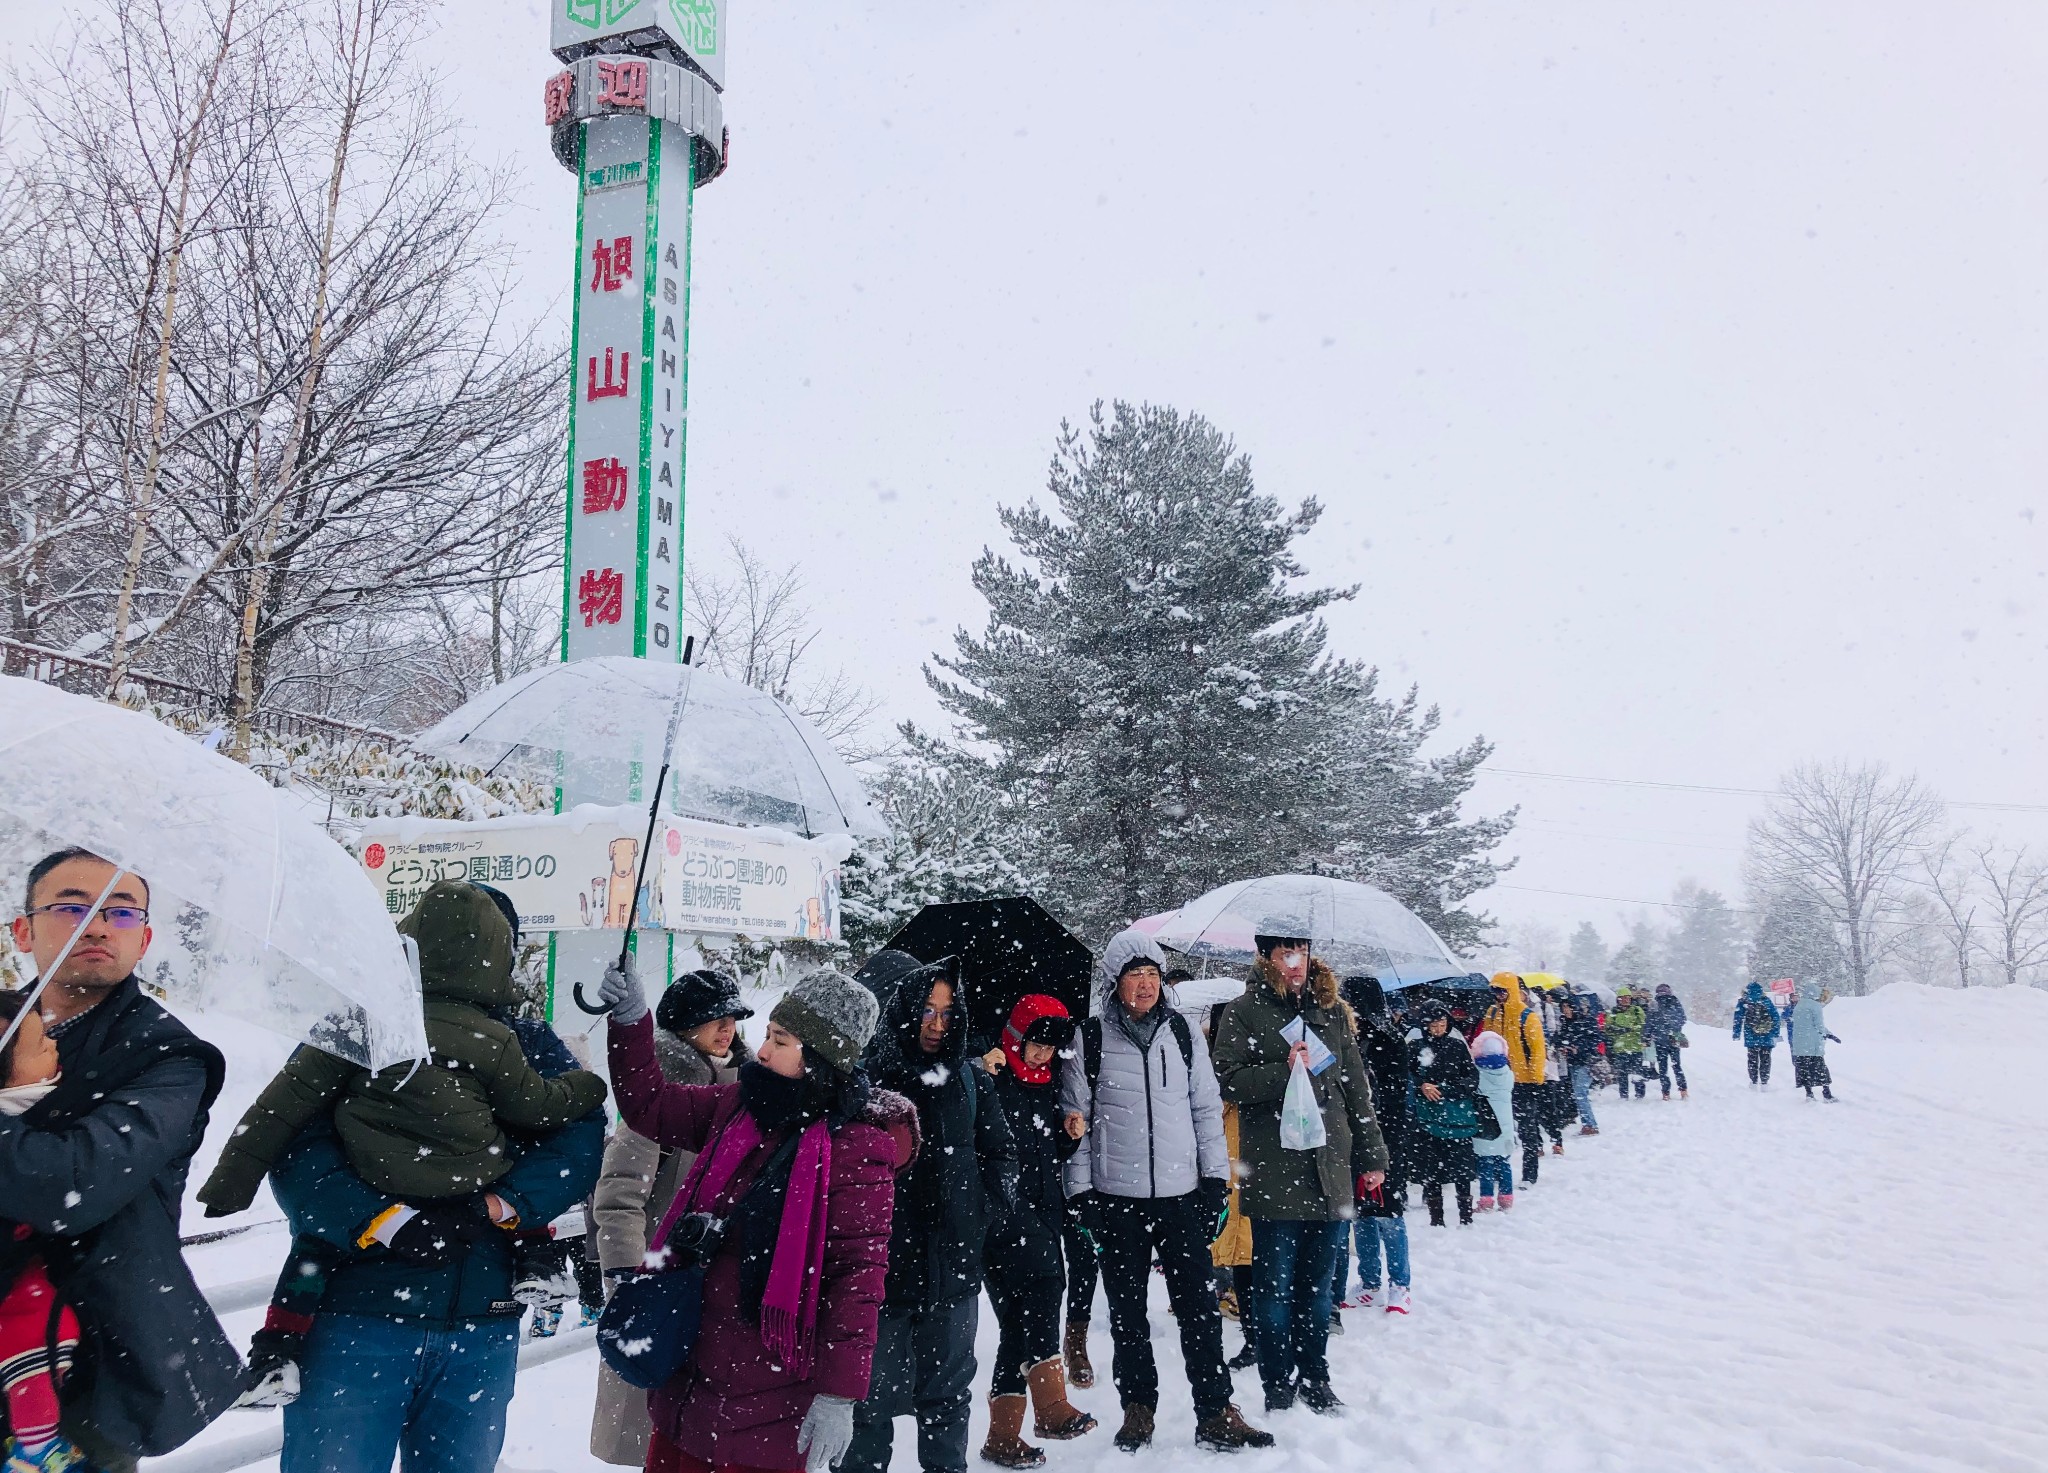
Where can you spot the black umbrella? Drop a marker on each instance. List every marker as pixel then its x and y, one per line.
pixel 1007 948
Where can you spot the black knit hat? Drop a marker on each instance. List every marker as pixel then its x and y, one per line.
pixel 696 998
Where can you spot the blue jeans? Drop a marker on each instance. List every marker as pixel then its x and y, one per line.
pixel 1292 1264
pixel 1496 1176
pixel 1582 1095
pixel 1375 1235
pixel 374 1387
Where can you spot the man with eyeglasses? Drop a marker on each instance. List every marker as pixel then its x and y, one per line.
pixel 964 1177
pixel 97 1169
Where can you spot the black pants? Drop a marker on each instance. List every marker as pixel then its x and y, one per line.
pixel 1530 1109
pixel 1760 1066
pixel 1082 1270
pixel 1668 1059
pixel 1433 1199
pixel 1560 1108
pixel 1028 1314
pixel 1133 1229
pixel 924 1363
pixel 1809 1072
pixel 1629 1067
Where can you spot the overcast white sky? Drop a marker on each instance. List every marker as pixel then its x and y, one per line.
pixel 1673 376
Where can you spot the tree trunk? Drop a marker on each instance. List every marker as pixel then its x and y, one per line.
pixel 138 540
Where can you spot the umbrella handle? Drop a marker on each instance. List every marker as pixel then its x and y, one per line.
pixel 584 1002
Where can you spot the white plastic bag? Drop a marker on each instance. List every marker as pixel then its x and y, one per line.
pixel 1301 1118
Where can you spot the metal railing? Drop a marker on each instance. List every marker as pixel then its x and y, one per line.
pixel 88 677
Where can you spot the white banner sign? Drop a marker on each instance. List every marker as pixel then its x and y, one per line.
pixel 575 872
pixel 762 883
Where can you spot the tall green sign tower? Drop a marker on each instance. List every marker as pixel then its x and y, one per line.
pixel 637 114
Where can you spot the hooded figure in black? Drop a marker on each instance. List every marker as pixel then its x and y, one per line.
pixel 964 1178
pixel 1447 1111
pixel 1386 1060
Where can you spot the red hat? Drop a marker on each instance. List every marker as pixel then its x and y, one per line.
pixel 1036 1018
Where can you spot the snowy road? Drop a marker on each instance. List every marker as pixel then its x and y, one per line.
pixel 1734 1282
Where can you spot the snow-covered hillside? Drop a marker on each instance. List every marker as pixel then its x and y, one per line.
pixel 1735 1282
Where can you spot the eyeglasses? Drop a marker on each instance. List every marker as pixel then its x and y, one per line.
pixel 939 1015
pixel 120 917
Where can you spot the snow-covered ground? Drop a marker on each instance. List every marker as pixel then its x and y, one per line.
pixel 1736 1282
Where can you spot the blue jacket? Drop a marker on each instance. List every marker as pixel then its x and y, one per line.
pixel 1752 1037
pixel 322 1196
pixel 1809 1024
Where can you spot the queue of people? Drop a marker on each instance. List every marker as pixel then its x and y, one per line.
pixel 844 1195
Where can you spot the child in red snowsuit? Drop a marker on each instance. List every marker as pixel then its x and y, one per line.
pixel 33 1360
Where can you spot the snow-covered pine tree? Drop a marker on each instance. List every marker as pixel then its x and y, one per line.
pixel 948 840
pixel 1396 814
pixel 1704 956
pixel 1632 966
pixel 1796 938
pixel 1153 691
pixel 1585 960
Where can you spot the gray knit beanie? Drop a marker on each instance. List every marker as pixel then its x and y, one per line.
pixel 832 1015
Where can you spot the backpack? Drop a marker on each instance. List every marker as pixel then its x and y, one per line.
pixel 1091 1045
pixel 1759 1018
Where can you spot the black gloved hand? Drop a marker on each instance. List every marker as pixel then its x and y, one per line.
pixel 1212 1195
pixel 434 1235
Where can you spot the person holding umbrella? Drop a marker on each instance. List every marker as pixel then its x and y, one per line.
pixel 696 1041
pixel 1300 1201
pixel 100 1165
pixel 788 1210
pixel 963 1180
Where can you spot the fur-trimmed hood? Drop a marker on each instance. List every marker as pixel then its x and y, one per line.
pixel 895 1114
pixel 1322 987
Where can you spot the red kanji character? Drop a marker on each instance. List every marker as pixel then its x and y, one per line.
pixel 604 485
pixel 558 97
pixel 601 597
pixel 622 84
pixel 608 389
pixel 612 264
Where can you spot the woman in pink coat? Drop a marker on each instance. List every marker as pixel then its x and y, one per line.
pixel 797 1162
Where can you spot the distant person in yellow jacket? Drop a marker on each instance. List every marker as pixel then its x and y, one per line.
pixel 1517 1019
pixel 1232 1250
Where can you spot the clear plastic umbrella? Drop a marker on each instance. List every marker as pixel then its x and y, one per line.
pixel 1353 927
pixel 741 756
pixel 257 912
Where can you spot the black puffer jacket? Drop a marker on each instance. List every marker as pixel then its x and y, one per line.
pixel 98 1170
pixel 965 1176
pixel 1028 1236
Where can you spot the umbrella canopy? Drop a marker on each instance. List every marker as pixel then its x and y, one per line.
pixel 741 756
pixel 1545 981
pixel 1007 948
pixel 257 912
pixel 1354 927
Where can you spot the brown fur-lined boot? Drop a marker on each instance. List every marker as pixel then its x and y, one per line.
pixel 1006 1447
pixel 1052 1415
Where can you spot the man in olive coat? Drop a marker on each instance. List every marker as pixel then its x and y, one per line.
pixel 1299 1201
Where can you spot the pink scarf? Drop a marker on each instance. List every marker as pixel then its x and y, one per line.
pixel 789 1306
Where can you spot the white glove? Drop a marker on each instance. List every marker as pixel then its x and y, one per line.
pixel 826 1434
pixel 620 991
